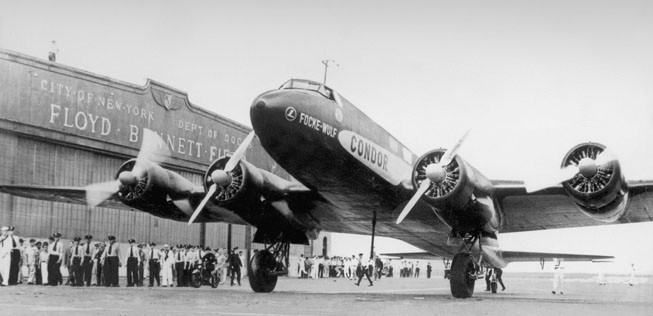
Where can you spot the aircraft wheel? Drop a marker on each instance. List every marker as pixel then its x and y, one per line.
pixel 259 279
pixel 462 276
pixel 493 286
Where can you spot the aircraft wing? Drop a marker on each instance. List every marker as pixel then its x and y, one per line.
pixel 552 208
pixel 524 256
pixel 413 255
pixel 74 195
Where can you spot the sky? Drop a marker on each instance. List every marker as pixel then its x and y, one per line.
pixel 531 79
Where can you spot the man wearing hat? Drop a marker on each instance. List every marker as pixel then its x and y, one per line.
pixel 234 265
pixel 154 265
pixel 189 262
pixel 179 265
pixel 141 264
pixel 98 254
pixel 76 256
pixel 132 263
pixel 14 257
pixel 55 256
pixel 167 262
pixel 111 263
pixel 87 263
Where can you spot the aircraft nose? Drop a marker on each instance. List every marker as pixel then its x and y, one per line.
pixel 266 110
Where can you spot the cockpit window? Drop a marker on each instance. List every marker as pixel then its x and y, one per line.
pixel 308 85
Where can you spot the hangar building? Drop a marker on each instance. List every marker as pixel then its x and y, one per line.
pixel 63 126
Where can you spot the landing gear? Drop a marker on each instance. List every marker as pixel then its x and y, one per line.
pixel 463 275
pixel 266 266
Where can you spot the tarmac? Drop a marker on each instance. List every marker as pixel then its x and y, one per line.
pixel 526 294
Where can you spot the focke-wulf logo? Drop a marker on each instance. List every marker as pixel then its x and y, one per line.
pixel 291 114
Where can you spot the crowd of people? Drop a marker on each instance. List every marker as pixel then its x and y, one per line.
pixel 97 263
pixel 354 268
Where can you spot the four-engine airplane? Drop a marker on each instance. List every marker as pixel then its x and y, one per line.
pixel 352 176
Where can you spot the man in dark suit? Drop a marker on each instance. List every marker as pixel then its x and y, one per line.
pixel 234 266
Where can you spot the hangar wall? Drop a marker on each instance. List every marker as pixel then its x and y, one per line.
pixel 63 126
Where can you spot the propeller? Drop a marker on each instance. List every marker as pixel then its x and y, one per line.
pixel 221 177
pixel 435 173
pixel 587 167
pixel 153 149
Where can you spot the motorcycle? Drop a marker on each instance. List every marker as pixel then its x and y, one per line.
pixel 205 274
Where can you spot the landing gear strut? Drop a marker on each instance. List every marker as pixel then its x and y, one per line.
pixel 267 265
pixel 465 270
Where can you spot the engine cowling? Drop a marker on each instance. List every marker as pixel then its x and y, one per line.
pixel 151 188
pixel 257 196
pixel 241 192
pixel 599 190
pixel 455 189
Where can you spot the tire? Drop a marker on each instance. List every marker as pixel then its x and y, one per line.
pixel 493 286
pixel 196 280
pixel 461 282
pixel 257 270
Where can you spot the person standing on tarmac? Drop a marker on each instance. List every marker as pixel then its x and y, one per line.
pixel 167 263
pixel 498 273
pixel 55 258
pixel 558 276
pixel 87 263
pixel 154 265
pixel 179 265
pixel 234 266
pixel 111 263
pixel 132 263
pixel 428 270
pixel 76 256
pixel 363 270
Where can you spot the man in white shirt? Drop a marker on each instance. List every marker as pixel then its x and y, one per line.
pixel 558 276
pixel 55 257
pixel 31 257
pixel 154 265
pixel 363 269
pixel 87 261
pixel 77 254
pixel 111 263
pixel 132 259
pixel 167 262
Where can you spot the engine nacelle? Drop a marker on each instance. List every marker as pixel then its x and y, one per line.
pixel 456 188
pixel 153 189
pixel 461 196
pixel 599 188
pixel 241 194
pixel 257 196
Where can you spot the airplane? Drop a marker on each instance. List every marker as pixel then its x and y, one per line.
pixel 349 175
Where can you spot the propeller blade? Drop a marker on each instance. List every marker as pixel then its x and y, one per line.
pixel 153 149
pixel 239 153
pixel 605 158
pixel 97 193
pixel 451 152
pixel 422 189
pixel 206 199
pixel 562 175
